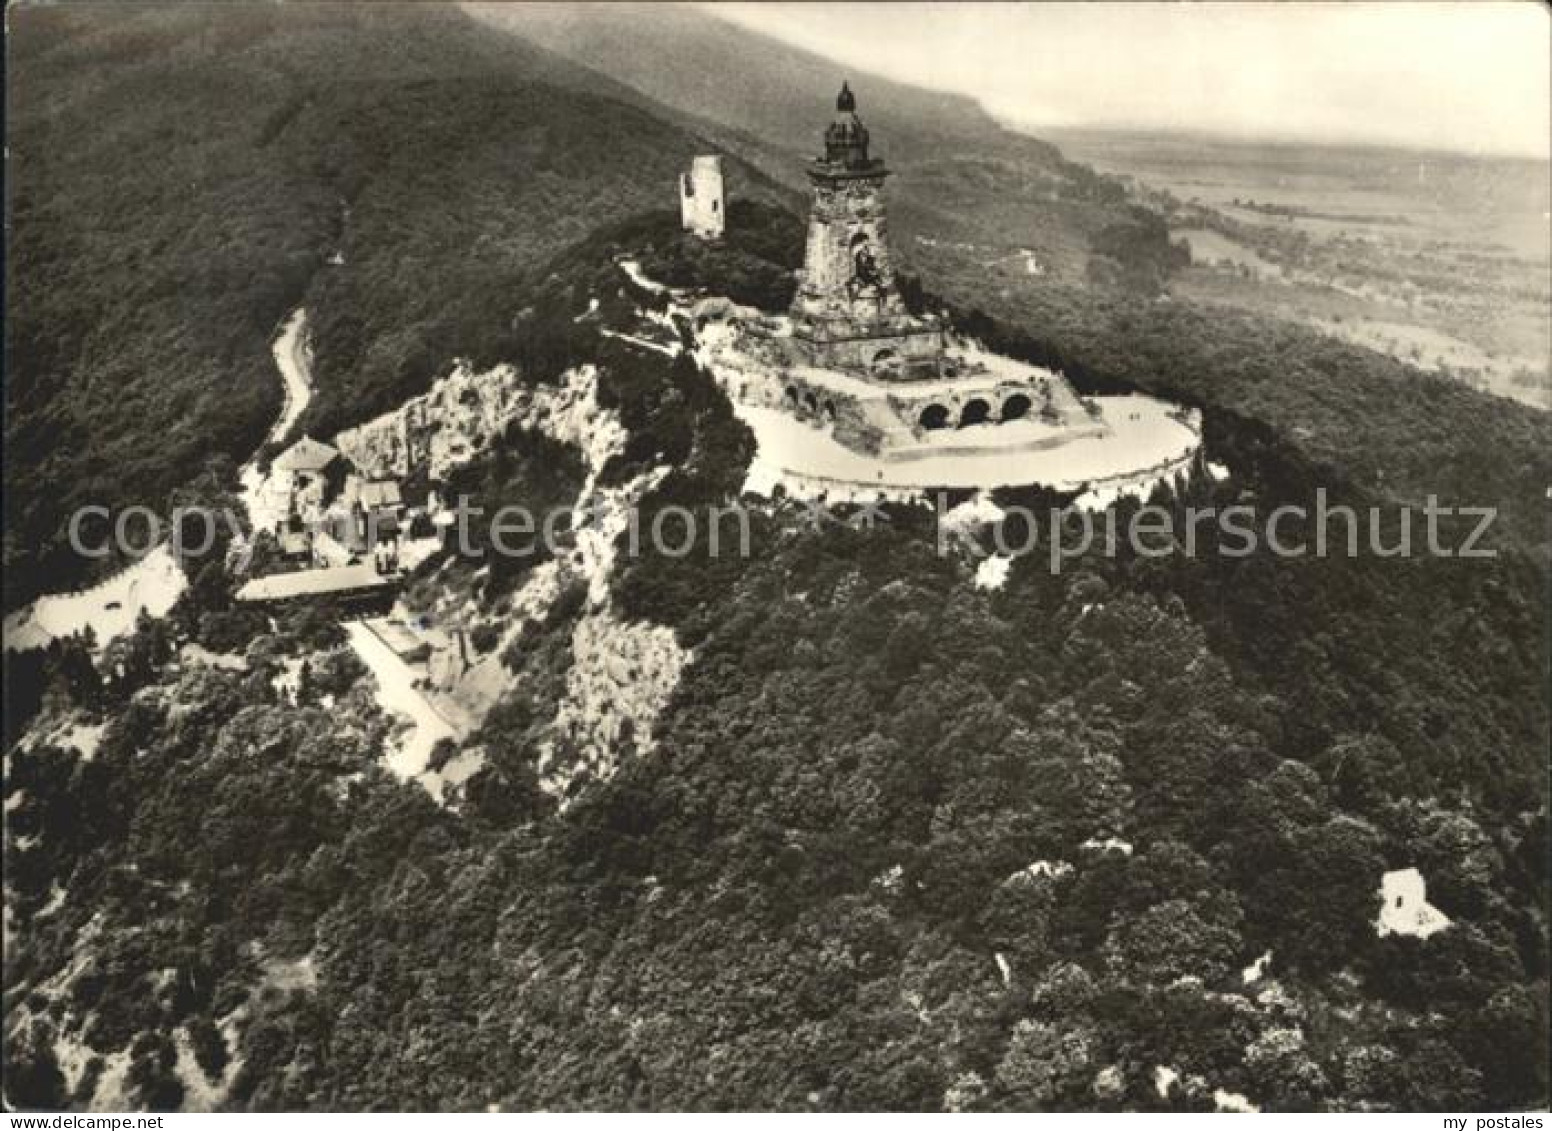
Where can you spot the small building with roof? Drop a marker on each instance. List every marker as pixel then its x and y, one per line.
pixel 308 470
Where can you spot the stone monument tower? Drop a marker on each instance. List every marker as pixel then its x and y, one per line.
pixel 700 198
pixel 847 310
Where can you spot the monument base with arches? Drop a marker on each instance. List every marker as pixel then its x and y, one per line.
pixel 852 387
pixel 995 422
pixel 898 347
pixel 967 399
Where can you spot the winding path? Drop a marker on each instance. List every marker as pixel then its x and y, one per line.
pixel 294 359
pixel 154 583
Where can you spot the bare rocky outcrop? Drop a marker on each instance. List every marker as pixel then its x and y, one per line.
pixel 623 672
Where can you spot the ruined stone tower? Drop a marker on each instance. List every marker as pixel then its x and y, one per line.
pixel 700 198
pixel 847 309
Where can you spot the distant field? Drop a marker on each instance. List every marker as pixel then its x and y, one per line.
pixel 1440 260
pixel 1491 202
pixel 1212 248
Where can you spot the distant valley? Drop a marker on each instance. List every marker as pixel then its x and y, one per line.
pixel 1440 260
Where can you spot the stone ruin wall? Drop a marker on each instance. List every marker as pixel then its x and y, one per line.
pixel 701 207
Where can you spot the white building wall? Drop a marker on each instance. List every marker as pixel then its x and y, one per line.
pixel 701 208
pixel 1404 906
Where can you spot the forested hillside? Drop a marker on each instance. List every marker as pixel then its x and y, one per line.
pixel 152 255
pixel 776 93
pixel 962 179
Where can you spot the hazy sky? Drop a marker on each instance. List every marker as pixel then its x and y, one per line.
pixel 1459 75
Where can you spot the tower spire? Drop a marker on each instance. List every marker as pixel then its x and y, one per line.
pixel 846 141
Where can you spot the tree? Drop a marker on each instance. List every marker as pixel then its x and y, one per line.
pixel 152 1077
pixel 1173 940
pixel 1282 1073
pixel 1044 1067
pixel 33 1080
pixel 1366 772
pixel 209 1046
